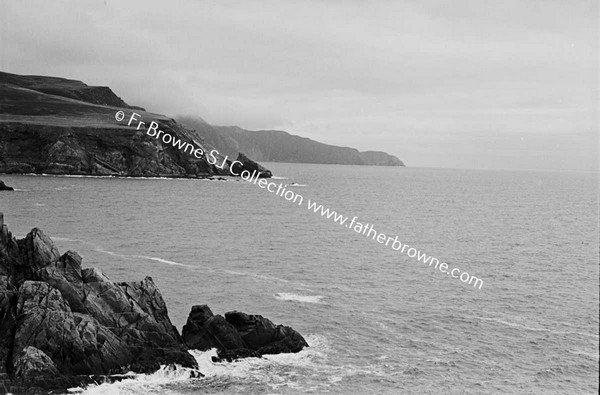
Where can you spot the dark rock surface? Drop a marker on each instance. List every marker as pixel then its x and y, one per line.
pixel 60 324
pixel 59 126
pixel 238 335
pixel 252 166
pixel 4 187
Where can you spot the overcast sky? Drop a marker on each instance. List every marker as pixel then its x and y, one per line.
pixel 468 84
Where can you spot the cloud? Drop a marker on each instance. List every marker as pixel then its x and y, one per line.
pixel 417 79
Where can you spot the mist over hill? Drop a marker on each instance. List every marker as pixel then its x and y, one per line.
pixel 51 125
pixel 281 146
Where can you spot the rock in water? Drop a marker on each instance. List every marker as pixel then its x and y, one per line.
pixel 251 166
pixel 204 331
pixel 262 335
pixel 4 187
pixel 238 335
pixel 60 324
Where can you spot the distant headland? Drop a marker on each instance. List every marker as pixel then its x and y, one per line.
pixel 51 125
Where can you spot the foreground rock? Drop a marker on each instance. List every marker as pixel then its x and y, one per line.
pixel 61 325
pixel 4 187
pixel 238 335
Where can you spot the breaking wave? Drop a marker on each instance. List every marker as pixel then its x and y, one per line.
pixel 285 296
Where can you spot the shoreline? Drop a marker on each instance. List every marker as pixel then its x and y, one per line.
pixel 65 326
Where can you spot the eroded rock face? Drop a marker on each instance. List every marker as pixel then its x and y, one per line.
pixel 251 166
pixel 4 187
pixel 204 331
pixel 32 363
pixel 72 129
pixel 61 324
pixel 238 335
pixel 262 335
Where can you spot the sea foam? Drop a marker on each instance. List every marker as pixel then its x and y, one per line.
pixel 285 296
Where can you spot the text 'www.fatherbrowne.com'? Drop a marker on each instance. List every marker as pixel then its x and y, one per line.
pixel 368 230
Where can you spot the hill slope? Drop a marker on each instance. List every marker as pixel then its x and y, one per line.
pixel 280 146
pixel 59 126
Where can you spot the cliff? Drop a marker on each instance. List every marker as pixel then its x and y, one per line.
pixel 280 146
pixel 64 326
pixel 4 187
pixel 59 126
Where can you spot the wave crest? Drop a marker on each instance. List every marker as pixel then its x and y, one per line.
pixel 286 296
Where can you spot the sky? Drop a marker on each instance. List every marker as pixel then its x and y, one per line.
pixel 478 84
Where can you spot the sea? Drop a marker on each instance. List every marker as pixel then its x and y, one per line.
pixel 377 321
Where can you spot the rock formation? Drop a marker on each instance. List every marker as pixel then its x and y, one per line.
pixel 4 187
pixel 238 335
pixel 62 325
pixel 251 166
pixel 59 126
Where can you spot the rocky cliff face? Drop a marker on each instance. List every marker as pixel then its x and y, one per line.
pixel 4 187
pixel 63 326
pixel 252 166
pixel 59 126
pixel 60 323
pixel 280 146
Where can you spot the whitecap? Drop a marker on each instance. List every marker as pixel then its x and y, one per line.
pixel 67 239
pixel 152 258
pixel 140 383
pixel 257 276
pixel 278 372
pixel 286 296
pixel 250 367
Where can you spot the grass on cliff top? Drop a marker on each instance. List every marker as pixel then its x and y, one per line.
pixel 24 105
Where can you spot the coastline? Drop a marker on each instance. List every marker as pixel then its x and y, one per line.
pixel 64 326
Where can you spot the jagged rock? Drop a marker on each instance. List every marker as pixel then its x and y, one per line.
pixel 37 250
pixel 238 335
pixel 7 322
pixel 65 275
pixel 64 325
pixel 204 331
pixel 262 335
pixel 77 343
pixel 251 166
pixel 31 363
pixel 93 275
pixel 145 294
pixel 4 187
pixel 72 129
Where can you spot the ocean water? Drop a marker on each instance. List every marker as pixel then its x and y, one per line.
pixel 377 321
